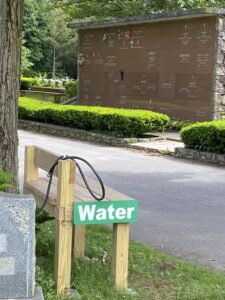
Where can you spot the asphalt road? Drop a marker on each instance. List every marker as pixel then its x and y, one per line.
pixel 181 204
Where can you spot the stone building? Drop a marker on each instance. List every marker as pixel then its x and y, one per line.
pixel 166 62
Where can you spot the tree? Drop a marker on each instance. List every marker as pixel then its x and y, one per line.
pixel 10 45
pixel 63 42
pixel 46 35
pixel 36 36
pixel 78 9
pixel 26 64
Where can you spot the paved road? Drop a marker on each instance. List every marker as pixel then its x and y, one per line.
pixel 182 204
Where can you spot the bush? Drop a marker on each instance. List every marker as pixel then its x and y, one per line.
pixel 5 180
pixel 206 136
pixel 120 122
pixel 178 124
pixel 71 89
pixel 26 83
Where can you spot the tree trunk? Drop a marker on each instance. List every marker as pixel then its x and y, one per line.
pixel 10 45
pixel 54 63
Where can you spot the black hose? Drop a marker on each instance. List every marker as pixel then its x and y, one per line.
pixel 74 158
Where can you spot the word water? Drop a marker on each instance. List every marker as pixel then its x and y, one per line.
pixel 102 212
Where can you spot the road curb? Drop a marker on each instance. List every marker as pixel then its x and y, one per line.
pixel 79 134
pixel 201 156
pixel 83 135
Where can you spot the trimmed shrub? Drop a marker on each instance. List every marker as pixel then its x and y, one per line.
pixel 179 124
pixel 26 83
pixel 71 89
pixel 5 180
pixel 205 136
pixel 119 122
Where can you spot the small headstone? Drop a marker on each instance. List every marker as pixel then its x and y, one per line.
pixel 17 247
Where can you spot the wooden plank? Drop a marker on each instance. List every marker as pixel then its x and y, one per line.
pixel 44 159
pixel 111 194
pixel 81 193
pixel 60 214
pixel 79 241
pixel 39 188
pixel 120 255
pixel 63 257
pixel 50 209
pixel 64 230
pixel 30 169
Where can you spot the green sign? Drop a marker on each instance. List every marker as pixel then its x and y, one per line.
pixel 102 212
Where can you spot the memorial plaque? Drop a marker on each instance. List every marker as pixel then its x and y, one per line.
pixel 17 246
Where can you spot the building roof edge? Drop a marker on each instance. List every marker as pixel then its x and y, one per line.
pixel 154 17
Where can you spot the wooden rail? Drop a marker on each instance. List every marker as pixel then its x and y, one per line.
pixel 70 239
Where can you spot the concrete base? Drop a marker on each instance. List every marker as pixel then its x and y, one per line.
pixel 38 295
pixel 75 294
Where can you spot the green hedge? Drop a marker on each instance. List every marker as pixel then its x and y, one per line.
pixel 5 180
pixel 206 136
pixel 120 122
pixel 71 89
pixel 26 83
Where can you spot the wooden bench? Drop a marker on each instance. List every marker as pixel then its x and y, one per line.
pixel 70 239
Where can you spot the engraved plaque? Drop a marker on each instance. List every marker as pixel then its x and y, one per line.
pixel 7 266
pixel 2 242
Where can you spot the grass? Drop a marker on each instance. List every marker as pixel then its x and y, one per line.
pixel 152 274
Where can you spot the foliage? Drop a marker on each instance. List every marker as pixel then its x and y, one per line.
pixel 5 180
pixel 79 9
pixel 26 64
pixel 48 39
pixel 205 136
pixel 26 83
pixel 123 122
pixel 178 124
pixel 63 42
pixel 36 36
pixel 152 275
pixel 71 88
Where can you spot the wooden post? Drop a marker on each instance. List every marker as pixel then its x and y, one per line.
pixel 30 170
pixel 120 255
pixel 64 230
pixel 78 241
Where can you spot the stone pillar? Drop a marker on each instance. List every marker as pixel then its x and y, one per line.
pixel 218 103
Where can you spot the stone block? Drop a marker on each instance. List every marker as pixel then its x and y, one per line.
pixel 220 69
pixel 38 295
pixel 17 246
pixel 221 158
pixel 180 151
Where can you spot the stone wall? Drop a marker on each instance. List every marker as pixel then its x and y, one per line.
pixel 200 155
pixel 218 108
pixel 44 96
pixel 74 133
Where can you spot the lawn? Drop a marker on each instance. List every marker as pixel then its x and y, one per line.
pixel 152 274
